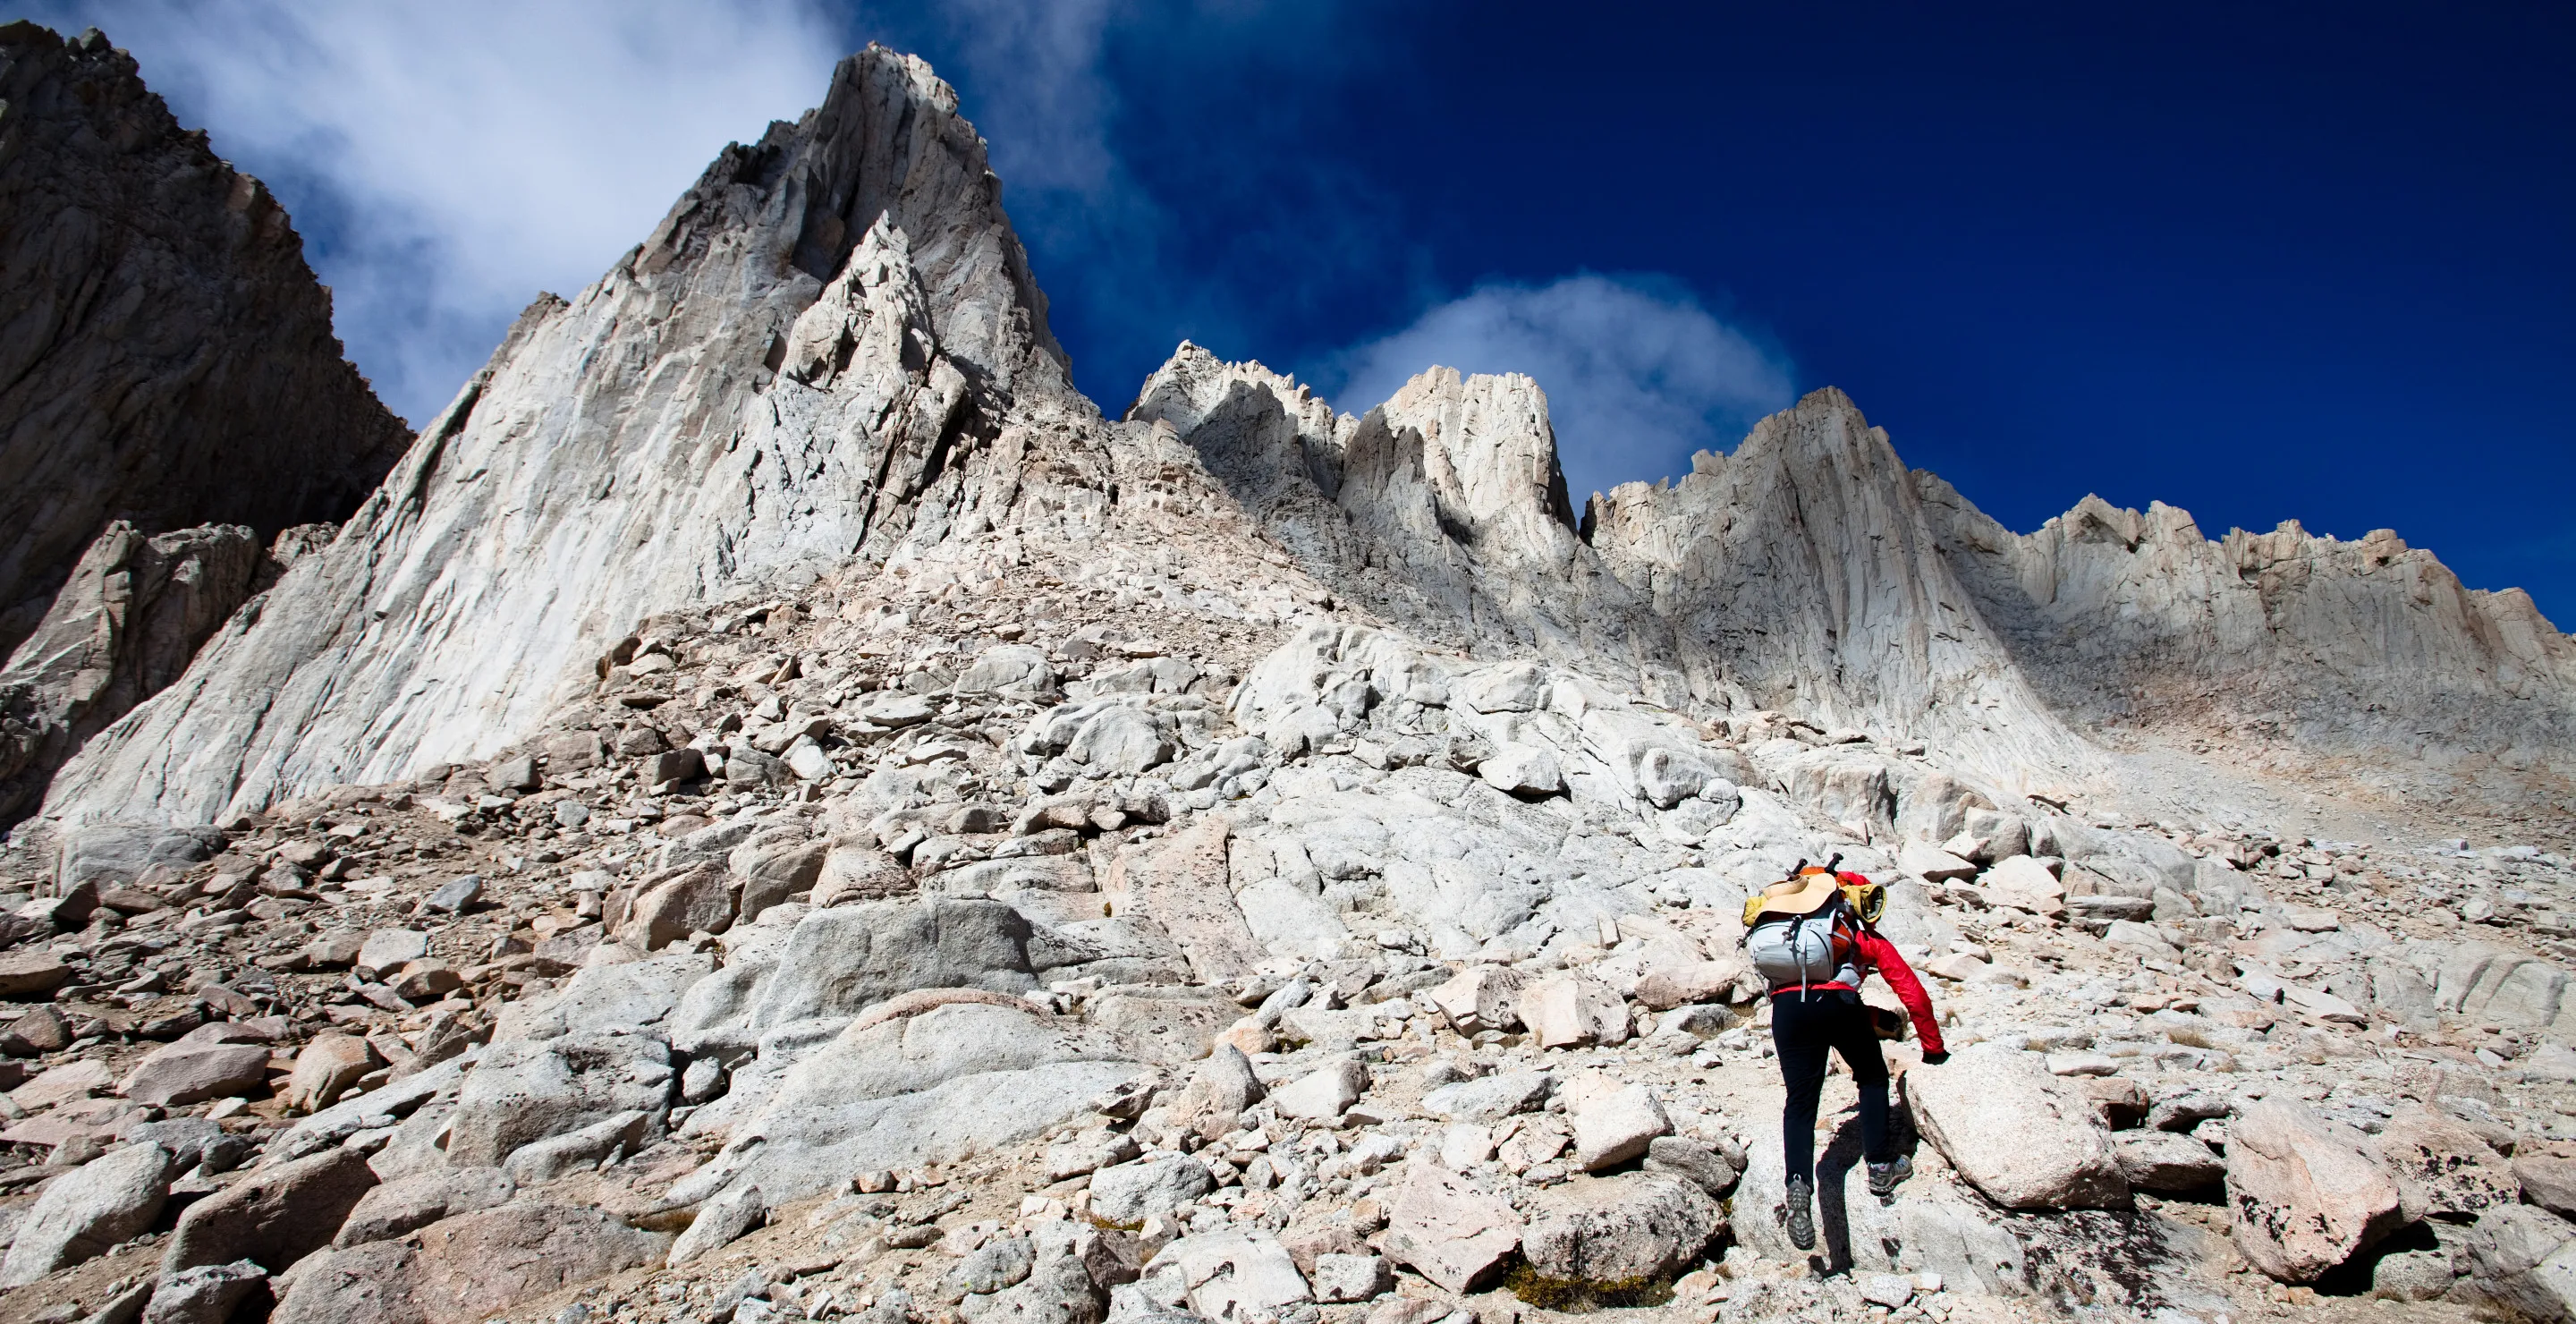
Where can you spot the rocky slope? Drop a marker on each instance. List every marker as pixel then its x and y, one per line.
pixel 168 356
pixel 777 809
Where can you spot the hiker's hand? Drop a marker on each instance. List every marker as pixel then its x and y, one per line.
pixel 1935 1059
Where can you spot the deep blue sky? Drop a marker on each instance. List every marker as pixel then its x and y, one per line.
pixel 2260 261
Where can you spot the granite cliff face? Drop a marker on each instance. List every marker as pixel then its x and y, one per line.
pixel 2364 649
pixel 166 357
pixel 828 349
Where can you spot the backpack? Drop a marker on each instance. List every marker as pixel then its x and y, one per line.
pixel 1801 949
pixel 1812 948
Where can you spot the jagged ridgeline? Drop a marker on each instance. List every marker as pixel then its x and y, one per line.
pixel 771 805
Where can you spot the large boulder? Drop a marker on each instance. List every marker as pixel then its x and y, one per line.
pixel 1226 1275
pixel 206 1294
pixel 2303 1193
pixel 327 1068
pixel 199 1066
pixel 2168 1161
pixel 276 1216
pixel 87 1211
pixel 1566 1010
pixel 527 1091
pixel 1619 1231
pixel 2442 1168
pixel 466 1269
pixel 2015 1132
pixel 626 995
pixel 1130 1193
pixel 419 1199
pixel 699 899
pixel 2024 883
pixel 1481 997
pixel 1181 883
pixel 1007 669
pixel 1120 740
pixel 115 854
pixel 840 961
pixel 1614 1123
pixel 2524 1258
pixel 722 1221
pixel 957 1079
pixel 1446 1229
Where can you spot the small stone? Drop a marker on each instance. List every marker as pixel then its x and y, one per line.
pixel 1343 1278
pixel 333 951
pixel 1890 1290
pixel 388 949
pixel 42 1030
pixel 725 1220
pixel 1322 1095
pixel 1615 1124
pixel 426 980
pixel 32 974
pixel 327 1068
pixel 1491 1098
pixel 454 896
pixel 1480 997
pixel 515 773
pixel 1128 1193
pixel 675 765
pixel 206 1294
pixel 1694 1162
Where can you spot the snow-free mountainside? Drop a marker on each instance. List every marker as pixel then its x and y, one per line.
pixel 773 806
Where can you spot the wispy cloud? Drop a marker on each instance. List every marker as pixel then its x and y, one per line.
pixel 1638 372
pixel 448 161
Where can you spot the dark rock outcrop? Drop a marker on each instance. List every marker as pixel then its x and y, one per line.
pixel 166 356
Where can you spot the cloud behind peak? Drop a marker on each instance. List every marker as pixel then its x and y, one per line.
pixel 1638 372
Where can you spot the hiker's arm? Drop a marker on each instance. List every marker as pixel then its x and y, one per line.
pixel 1909 990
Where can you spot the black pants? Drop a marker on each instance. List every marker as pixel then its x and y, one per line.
pixel 1803 1027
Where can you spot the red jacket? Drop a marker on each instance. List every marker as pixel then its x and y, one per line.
pixel 1872 952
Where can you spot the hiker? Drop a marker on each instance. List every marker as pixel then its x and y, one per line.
pixel 1811 936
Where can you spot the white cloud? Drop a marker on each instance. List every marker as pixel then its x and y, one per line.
pixel 448 161
pixel 1638 373
pixel 1042 100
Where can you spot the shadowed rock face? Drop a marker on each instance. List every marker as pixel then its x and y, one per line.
pixel 126 624
pixel 166 356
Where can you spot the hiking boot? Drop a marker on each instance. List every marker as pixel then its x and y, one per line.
pixel 1883 1177
pixel 1802 1214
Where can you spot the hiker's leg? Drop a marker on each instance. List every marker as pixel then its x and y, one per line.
pixel 1859 1047
pixel 1800 1034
